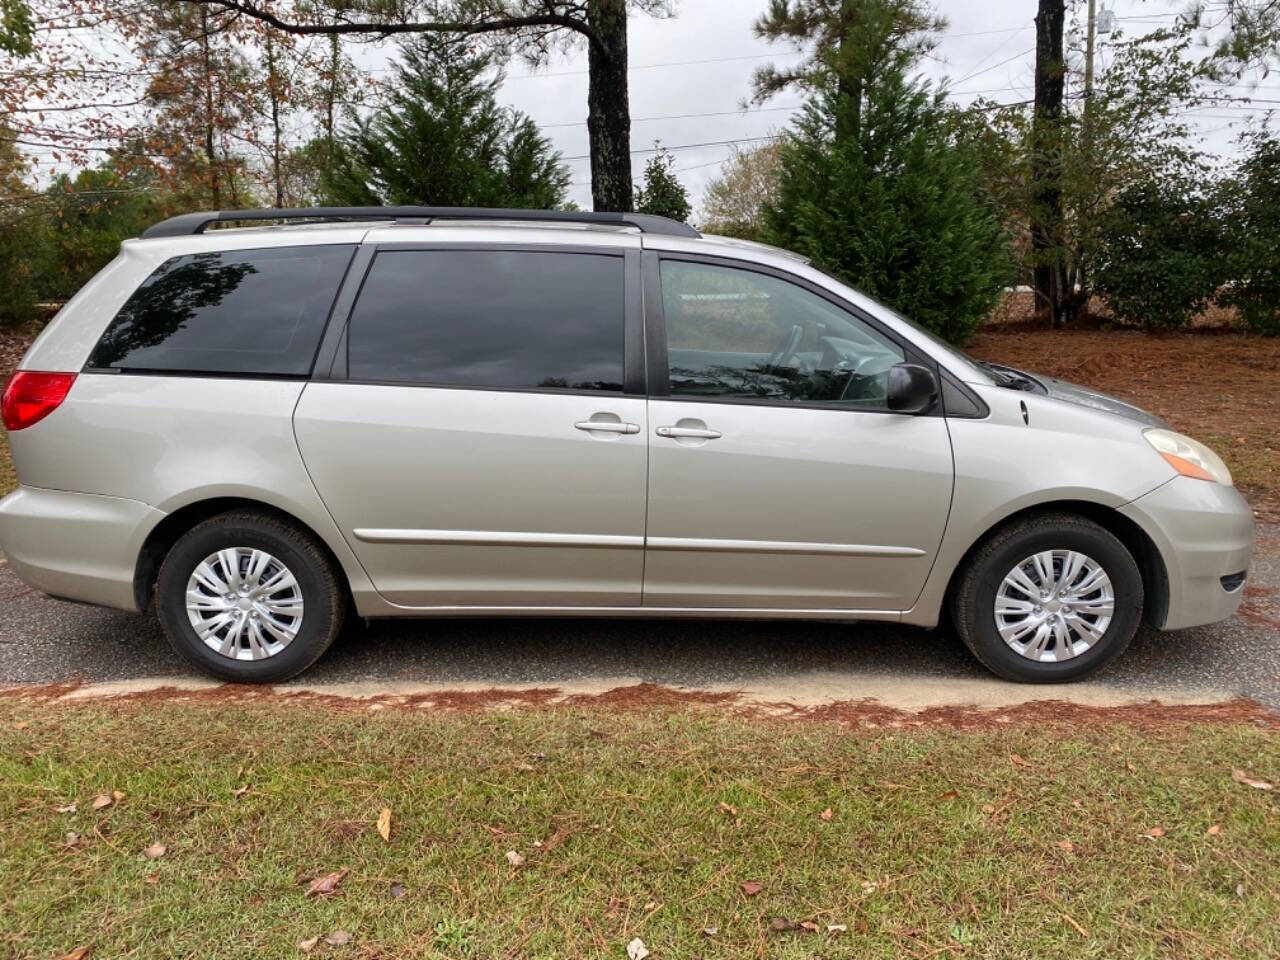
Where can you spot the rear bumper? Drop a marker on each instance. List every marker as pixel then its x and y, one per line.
pixel 78 546
pixel 1204 532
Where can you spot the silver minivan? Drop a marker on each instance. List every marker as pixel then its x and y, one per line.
pixel 448 412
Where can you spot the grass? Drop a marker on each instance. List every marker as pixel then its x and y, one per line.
pixel 1015 841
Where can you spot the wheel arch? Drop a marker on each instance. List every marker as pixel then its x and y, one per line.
pixel 1155 578
pixel 170 529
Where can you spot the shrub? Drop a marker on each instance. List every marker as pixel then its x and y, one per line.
pixel 1161 257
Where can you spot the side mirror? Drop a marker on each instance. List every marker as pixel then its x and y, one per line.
pixel 912 388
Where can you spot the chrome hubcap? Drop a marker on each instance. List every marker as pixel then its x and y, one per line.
pixel 1054 605
pixel 244 603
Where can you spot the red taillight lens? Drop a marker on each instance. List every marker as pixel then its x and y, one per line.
pixel 31 396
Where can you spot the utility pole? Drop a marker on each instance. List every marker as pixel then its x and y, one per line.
pixel 1088 57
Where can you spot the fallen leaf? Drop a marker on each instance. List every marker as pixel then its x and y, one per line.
pixel 79 953
pixel 725 808
pixel 949 795
pixel 710 931
pixel 1066 845
pixel 636 950
pixel 306 946
pixel 1240 890
pixel 153 878
pixel 21 725
pixel 781 924
pixel 69 808
pixel 240 792
pixel 339 938
pixel 1156 832
pixel 384 824
pixel 869 886
pixel 102 800
pixel 808 926
pixel 751 888
pixel 1239 776
pixel 398 891
pixel 117 795
pixel 155 851
pixel 988 808
pixel 1214 830
pixel 328 884
pixel 515 859
pixel 1015 758
pixel 837 927
pixel 72 838
pixel 826 814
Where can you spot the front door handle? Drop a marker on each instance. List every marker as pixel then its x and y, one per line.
pixel 607 426
pixel 691 433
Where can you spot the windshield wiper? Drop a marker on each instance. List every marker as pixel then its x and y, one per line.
pixel 1010 378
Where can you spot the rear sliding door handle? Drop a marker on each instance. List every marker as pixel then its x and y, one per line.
pixel 607 426
pixel 692 433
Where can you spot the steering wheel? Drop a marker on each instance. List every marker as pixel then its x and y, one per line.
pixel 786 349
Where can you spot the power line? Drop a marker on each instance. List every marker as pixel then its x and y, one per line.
pixel 685 116
pixel 995 66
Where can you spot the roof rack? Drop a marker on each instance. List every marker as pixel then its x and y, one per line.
pixel 188 224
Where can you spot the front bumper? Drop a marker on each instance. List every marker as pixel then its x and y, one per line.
pixel 77 546
pixel 1204 532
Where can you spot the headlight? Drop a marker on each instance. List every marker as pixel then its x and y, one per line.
pixel 1189 457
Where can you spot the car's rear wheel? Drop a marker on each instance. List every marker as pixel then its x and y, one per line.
pixel 1049 599
pixel 250 598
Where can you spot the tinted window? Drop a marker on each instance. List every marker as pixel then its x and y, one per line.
pixel 492 318
pixel 240 312
pixel 748 336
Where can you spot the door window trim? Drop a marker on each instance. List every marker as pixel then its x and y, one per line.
pixel 656 335
pixel 333 366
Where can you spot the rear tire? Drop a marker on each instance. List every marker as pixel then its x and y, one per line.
pixel 999 616
pixel 250 598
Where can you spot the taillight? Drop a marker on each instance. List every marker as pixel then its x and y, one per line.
pixel 30 396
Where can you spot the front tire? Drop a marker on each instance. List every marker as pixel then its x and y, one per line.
pixel 249 598
pixel 1050 599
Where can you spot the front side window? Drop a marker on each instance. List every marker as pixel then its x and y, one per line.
pixel 242 312
pixel 490 318
pixel 736 334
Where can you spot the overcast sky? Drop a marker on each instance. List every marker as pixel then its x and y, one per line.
pixel 701 61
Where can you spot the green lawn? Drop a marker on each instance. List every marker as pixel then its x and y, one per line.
pixel 1018 841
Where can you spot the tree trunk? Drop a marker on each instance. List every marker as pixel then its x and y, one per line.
pixel 608 108
pixel 273 90
pixel 1046 163
pixel 210 149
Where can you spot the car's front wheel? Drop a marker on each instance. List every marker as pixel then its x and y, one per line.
pixel 1049 599
pixel 250 598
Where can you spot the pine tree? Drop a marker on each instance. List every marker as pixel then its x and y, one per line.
pixel 443 139
pixel 875 188
pixel 661 193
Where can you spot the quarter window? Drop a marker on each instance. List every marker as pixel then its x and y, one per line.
pixel 491 318
pixel 738 334
pixel 229 312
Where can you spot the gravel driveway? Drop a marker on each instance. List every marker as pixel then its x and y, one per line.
pixel 46 641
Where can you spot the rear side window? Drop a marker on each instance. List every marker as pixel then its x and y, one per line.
pixel 490 318
pixel 231 312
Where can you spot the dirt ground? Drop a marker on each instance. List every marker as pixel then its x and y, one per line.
pixel 1221 388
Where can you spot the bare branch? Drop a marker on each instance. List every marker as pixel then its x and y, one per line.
pixel 552 19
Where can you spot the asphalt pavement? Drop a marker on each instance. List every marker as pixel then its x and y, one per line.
pixel 49 641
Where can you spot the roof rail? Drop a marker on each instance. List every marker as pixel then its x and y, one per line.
pixel 188 224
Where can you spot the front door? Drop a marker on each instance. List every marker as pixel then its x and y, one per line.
pixel 777 476
pixel 481 449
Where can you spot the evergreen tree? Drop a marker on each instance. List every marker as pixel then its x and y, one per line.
pixel 443 139
pixel 661 193
pixel 876 188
